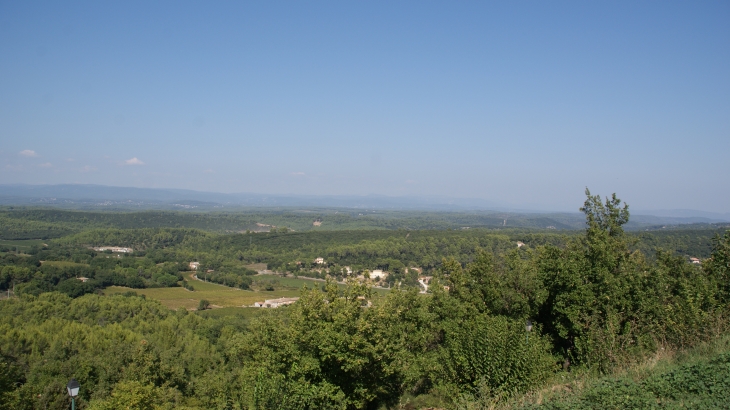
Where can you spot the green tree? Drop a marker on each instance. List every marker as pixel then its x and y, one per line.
pixel 588 309
pixel 718 266
pixel 10 378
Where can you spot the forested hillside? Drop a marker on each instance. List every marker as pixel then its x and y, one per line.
pixel 51 223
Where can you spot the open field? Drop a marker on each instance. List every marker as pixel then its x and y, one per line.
pixel 245 313
pixel 175 298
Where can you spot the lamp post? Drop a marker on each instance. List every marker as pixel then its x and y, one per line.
pixel 73 391
pixel 528 328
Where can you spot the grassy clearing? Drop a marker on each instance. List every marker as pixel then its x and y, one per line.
pixel 257 266
pixel 22 245
pixel 63 264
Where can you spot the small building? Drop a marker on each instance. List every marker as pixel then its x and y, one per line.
pixel 695 260
pixel 116 249
pixel 319 261
pixel 378 274
pixel 317 223
pixel 83 279
pixel 194 265
pixel 424 281
pixel 275 303
pixel 520 244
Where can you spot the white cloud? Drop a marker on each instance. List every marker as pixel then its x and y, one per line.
pixel 297 174
pixel 28 153
pixel 46 165
pixel 134 161
pixel 88 168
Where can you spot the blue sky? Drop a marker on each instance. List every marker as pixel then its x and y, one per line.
pixel 520 103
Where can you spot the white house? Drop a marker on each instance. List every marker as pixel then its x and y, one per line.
pixel 194 265
pixel 319 261
pixel 424 281
pixel 378 274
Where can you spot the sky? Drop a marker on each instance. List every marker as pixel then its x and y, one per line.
pixel 523 104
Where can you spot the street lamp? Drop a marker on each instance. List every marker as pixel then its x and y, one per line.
pixel 528 328
pixel 73 391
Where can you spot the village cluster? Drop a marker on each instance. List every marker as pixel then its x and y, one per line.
pixel 375 277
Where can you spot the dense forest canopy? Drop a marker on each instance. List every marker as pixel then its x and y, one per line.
pixel 599 299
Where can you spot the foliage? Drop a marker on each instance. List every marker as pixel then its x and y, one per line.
pixel 605 304
pixel 718 266
pixel 494 352
pixel 598 300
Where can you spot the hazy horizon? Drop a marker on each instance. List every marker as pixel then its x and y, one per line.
pixel 520 104
pixel 87 194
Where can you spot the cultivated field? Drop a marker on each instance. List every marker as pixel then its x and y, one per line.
pixel 223 296
pixel 217 295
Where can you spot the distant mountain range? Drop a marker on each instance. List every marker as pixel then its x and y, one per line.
pixel 127 198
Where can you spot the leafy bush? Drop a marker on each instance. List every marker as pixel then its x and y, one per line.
pixel 494 352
